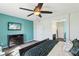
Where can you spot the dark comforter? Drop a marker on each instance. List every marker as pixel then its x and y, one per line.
pixel 42 49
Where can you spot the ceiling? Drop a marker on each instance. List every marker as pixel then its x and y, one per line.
pixel 57 8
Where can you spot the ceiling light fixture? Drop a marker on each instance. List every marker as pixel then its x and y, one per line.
pixel 36 13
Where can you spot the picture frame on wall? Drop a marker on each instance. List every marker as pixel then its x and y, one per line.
pixel 14 26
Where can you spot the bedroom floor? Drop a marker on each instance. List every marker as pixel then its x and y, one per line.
pixel 58 50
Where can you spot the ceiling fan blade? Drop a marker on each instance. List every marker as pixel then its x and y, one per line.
pixel 30 14
pixel 48 12
pixel 40 15
pixel 40 5
pixel 26 9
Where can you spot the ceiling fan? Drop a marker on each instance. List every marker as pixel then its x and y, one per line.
pixel 37 11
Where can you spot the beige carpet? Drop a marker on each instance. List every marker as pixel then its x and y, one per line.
pixel 58 50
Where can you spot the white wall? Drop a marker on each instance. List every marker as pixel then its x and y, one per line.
pixel 74 26
pixel 44 29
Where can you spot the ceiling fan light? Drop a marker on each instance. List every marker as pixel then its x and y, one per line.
pixel 36 13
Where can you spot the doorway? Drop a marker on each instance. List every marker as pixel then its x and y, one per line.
pixel 60 30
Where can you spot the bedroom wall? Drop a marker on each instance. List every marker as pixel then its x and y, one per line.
pixel 42 29
pixel 27 28
pixel 74 26
pixel 45 28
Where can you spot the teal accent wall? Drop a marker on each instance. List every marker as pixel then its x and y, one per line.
pixel 27 28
